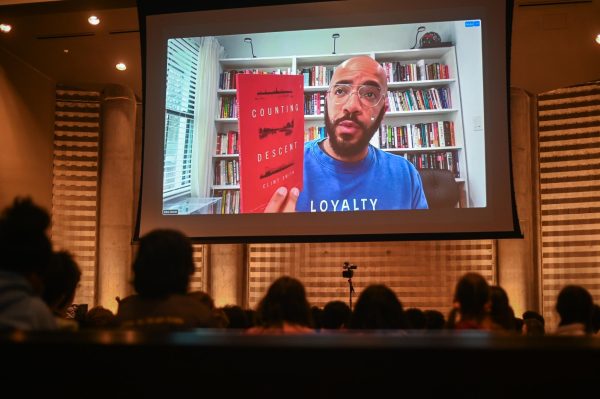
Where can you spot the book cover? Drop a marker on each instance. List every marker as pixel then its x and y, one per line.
pixel 271 136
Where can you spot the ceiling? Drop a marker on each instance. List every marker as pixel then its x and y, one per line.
pixel 552 41
pixel 55 38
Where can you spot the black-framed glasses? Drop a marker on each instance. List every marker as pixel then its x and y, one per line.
pixel 368 95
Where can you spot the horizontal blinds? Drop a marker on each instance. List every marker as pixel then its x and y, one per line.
pixel 569 153
pixel 75 183
pixel 423 274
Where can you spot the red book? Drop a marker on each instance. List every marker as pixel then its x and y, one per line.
pixel 271 136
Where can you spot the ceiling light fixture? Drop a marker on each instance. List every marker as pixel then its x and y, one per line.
pixel 121 66
pixel 94 20
pixel 5 28
pixel 598 38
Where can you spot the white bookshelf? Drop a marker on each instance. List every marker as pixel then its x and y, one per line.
pixel 292 64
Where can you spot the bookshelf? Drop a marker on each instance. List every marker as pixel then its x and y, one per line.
pixel 424 98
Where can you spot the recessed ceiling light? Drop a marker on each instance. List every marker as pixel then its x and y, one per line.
pixel 5 28
pixel 94 20
pixel 598 38
pixel 66 51
pixel 121 66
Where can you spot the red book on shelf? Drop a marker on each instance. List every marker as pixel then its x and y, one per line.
pixel 271 136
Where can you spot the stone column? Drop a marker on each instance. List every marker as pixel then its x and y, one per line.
pixel 227 274
pixel 115 219
pixel 517 258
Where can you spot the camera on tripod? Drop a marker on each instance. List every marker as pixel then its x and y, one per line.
pixel 348 271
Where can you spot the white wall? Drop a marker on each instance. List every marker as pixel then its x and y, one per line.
pixel 26 132
pixel 319 41
pixel 468 51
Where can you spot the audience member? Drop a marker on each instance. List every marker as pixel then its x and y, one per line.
pixel 519 325
pixel 284 309
pixel 415 319
pixel 238 320
pixel 336 315
pixel 219 318
pixel 378 308
pixel 99 317
pixel 61 279
pixel 574 306
pixel 317 317
pixel 532 314
pixel 434 320
pixel 472 303
pixel 251 317
pixel 26 253
pixel 501 314
pixel 533 328
pixel 162 269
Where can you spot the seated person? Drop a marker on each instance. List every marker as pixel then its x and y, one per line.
pixel 343 172
pixel 26 252
pixel 162 269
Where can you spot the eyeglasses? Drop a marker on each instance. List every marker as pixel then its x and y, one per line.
pixel 368 95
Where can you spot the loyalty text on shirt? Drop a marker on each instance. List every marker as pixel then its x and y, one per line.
pixel 354 204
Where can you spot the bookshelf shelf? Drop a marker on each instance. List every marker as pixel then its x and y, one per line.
pixel 421 149
pixel 225 186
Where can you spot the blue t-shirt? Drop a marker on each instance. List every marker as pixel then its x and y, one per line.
pixel 381 181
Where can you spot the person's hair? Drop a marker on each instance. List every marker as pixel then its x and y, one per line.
pixel 532 314
pixel 24 246
pixel 472 293
pixel 415 319
pixel 236 316
pixel 533 327
pixel 163 264
pixel 285 301
pixel 60 281
pixel 251 316
pixel 575 305
pixel 336 314
pixel 519 323
pixel 500 311
pixel 378 308
pixel 434 320
pixel 99 317
pixel 204 298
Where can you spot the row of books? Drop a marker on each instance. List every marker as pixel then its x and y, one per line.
pixel 420 99
pixel 228 107
pixel 227 172
pixel 447 160
pixel 230 201
pixel 398 72
pixel 314 132
pixel 319 75
pixel 417 135
pixel 227 143
pixel 227 78
pixel 314 104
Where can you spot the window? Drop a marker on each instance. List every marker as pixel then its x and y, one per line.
pixel 182 69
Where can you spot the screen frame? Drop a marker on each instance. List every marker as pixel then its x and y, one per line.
pixel 345 226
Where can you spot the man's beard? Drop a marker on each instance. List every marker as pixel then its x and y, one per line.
pixel 346 149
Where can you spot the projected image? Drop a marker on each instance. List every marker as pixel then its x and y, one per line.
pixel 327 120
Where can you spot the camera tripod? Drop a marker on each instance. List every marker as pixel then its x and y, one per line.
pixel 348 272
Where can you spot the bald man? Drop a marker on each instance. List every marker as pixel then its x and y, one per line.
pixel 343 172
